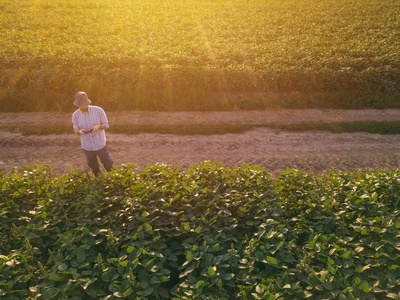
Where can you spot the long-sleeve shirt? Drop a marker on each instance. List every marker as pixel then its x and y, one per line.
pixel 86 120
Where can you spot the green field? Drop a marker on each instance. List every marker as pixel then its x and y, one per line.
pixel 209 232
pixel 199 55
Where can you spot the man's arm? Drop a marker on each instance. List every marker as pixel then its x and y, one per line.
pixel 98 127
pixel 75 125
pixel 104 121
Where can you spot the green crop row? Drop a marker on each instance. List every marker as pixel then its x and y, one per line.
pixel 199 54
pixel 208 232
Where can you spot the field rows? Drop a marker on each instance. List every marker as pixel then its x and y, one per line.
pixel 185 55
pixel 209 232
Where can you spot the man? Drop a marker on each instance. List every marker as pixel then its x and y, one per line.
pixel 90 123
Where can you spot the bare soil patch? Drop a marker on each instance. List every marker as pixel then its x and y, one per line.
pixel 275 150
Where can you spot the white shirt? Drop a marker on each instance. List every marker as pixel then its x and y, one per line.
pixel 86 120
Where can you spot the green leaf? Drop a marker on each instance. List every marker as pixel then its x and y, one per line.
pixel 86 283
pixel 26 277
pixel 260 256
pixel 346 254
pixel 148 291
pixel 93 291
pixel 198 229
pixel 155 280
pixel 313 241
pixel 200 283
pixel 394 267
pixel 279 246
pixel 144 284
pixel 55 277
pixel 109 274
pixel 243 209
pixel 148 228
pixel 327 285
pixel 62 267
pixel 331 269
pixel 365 231
pixel 128 292
pixel 307 294
pixel 140 235
pixel 130 249
pixel 259 289
pixel 227 276
pixel 186 226
pixel 272 261
pixel 123 263
pixel 364 287
pixel 186 272
pixel 148 263
pixel 80 254
pixel 211 271
pixel 189 256
pixel 163 293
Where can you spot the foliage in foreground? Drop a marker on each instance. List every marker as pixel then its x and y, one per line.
pixel 199 54
pixel 209 232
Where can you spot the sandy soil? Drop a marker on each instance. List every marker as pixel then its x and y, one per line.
pixel 275 150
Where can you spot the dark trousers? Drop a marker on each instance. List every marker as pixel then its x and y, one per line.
pixel 93 163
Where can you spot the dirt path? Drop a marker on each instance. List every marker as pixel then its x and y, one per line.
pixel 274 150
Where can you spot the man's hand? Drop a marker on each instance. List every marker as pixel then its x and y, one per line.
pixel 98 127
pixel 80 132
pixel 93 129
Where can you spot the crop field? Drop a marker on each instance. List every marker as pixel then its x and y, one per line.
pixel 209 232
pixel 199 54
